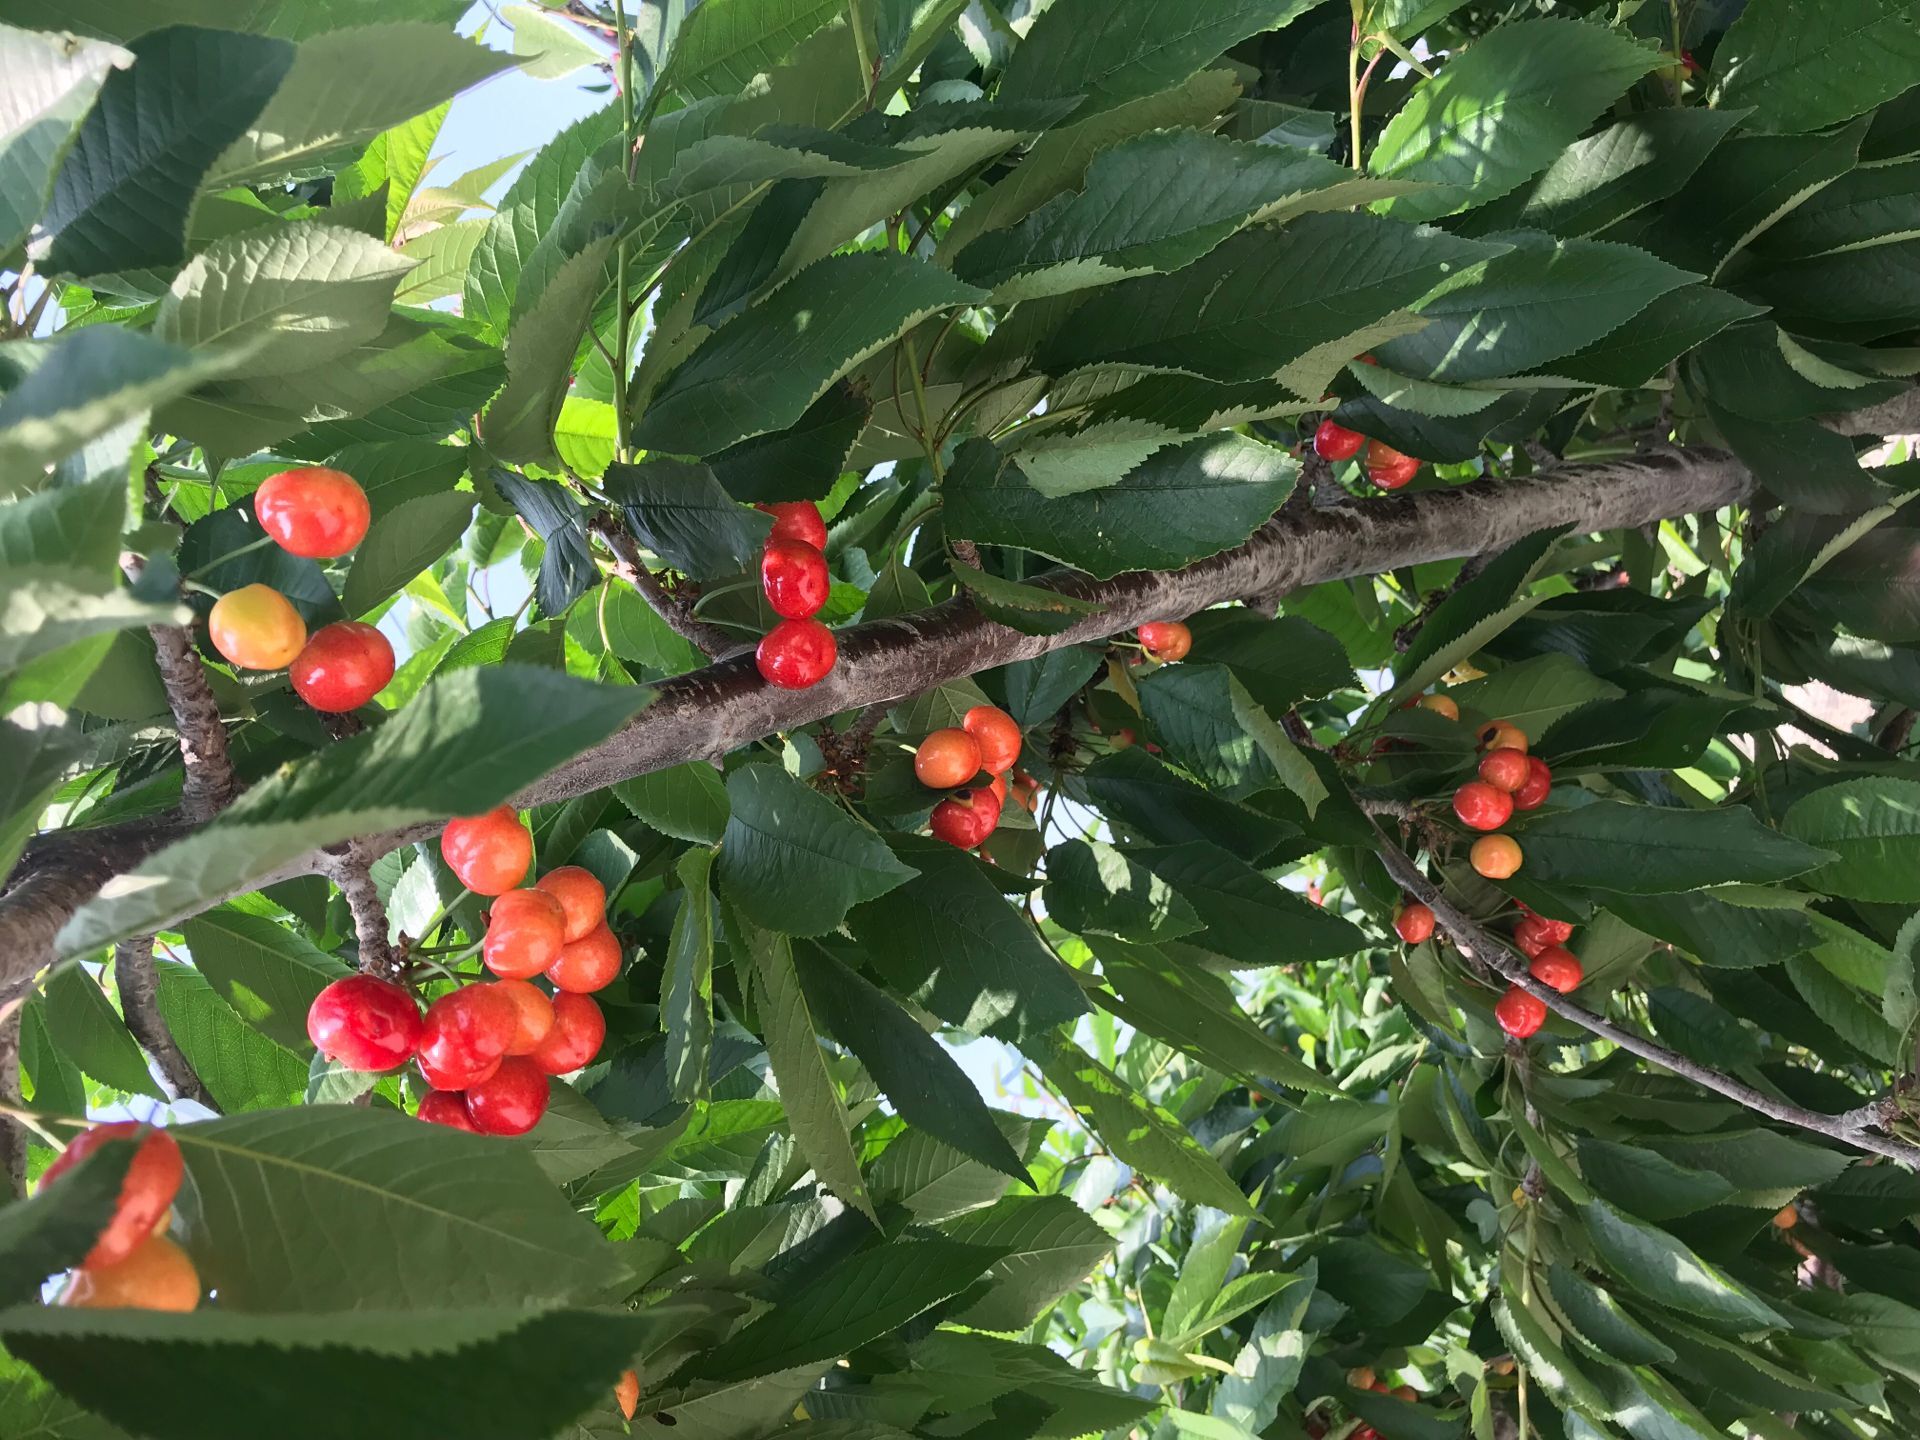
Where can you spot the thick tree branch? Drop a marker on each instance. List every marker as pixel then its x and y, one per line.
pixel 709 640
pixel 133 973
pixel 13 1135
pixel 352 870
pixel 209 786
pixel 1861 1128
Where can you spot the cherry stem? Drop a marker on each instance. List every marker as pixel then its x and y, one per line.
pixel 218 561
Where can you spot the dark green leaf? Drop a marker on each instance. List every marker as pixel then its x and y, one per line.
pixel 1873 829
pixel 1637 850
pixel 679 512
pixel 240 1066
pixel 1646 1182
pixel 686 983
pixel 1154 800
pixel 1214 730
pixel 1599 1325
pixel 1716 931
pixel 89 1031
pixel 400 544
pixel 1093 888
pixel 1036 689
pixel 1048 1246
pixel 1804 69
pixel 688 802
pixel 50 84
pixel 802 461
pixel 55 1229
pixel 1666 1271
pixel 1249 919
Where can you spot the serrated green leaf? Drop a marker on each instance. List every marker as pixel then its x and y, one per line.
pixel 1092 888
pixel 541 345
pixel 1049 1246
pixel 1599 1325
pixel 680 512
pixel 1872 827
pixel 1642 851
pixel 1213 729
pixel 1788 62
pixel 686 982
pixel 55 1229
pixel 1666 1271
pixel 688 802
pixel 240 1066
pixel 1158 802
pixel 1250 919
pixel 401 544
pixel 722 47
pixel 47 86
pixel 87 1029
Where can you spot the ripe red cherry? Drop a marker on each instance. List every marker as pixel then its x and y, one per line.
pixel 146 1191
pixel 1481 807
pixel 1504 769
pixel 1519 1013
pixel 535 1011
pixel 581 895
pixel 998 736
pixel 1533 794
pixel 512 1101
pixel 343 666
pixel 1532 937
pixel 796 654
pixel 365 1024
pixel 466 1031
pixel 490 853
pixel 256 628
pixel 313 511
pixel 1414 922
pixel 1558 968
pixel 1389 468
pixel 1558 932
pixel 966 819
pixel 455 1080
pixel 525 930
pixel 1165 639
pixel 1495 856
pixel 1336 442
pixel 588 964
pixel 579 1029
pixel 797 520
pixel 794 575
pixel 946 758
pixel 448 1108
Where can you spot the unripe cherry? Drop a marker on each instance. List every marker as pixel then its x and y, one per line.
pixel 490 853
pixel 1533 794
pixel 1333 441
pixel 1165 640
pixel 1504 769
pixel 256 628
pixel 626 1393
pixel 365 1024
pixel 525 931
pixel 448 1108
pixel 794 576
pixel 1414 922
pixel 1520 1014
pixel 587 964
pixel 1502 735
pixel 146 1190
pixel 155 1275
pixel 797 520
pixel 1389 468
pixel 1495 857
pixel 1481 807
pixel 1558 969
pixel 582 898
pixel 946 758
pixel 511 1100
pixel 313 511
pixel 342 667
pixel 1445 706
pixel 998 735
pixel 796 654
pixel 579 1029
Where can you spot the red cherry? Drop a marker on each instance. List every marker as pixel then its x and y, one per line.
pixel 1504 769
pixel 1558 968
pixel 794 576
pixel 1165 639
pixel 626 1393
pixel 1481 807
pixel 1533 794
pixel 535 1011
pixel 455 1080
pixel 365 1024
pixel 1501 735
pixel 343 667
pixel 146 1191
pixel 525 930
pixel 490 853
pixel 314 512
pixel 512 1101
pixel 1389 468
pixel 946 758
pixel 1531 936
pixel 998 736
pixel 1558 932
pixel 582 897
pixel 1335 442
pixel 466 1031
pixel 966 819
pixel 448 1108
pixel 1414 922
pixel 1519 1013
pixel 797 520
pixel 256 628
pixel 796 654
pixel 579 1029
pixel 588 964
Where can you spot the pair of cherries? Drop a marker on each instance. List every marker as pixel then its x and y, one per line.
pixel 317 514
pixel 986 741
pixel 798 652
pixel 133 1265
pixel 1387 467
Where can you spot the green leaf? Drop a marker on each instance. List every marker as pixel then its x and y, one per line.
pixel 402 543
pixel 1498 111
pixel 762 369
pixel 802 461
pixel 1048 1245
pixel 1213 729
pixel 920 1079
pixel 1872 827
pixel 1158 802
pixel 468 741
pixel 1636 352
pixel 89 1031
pixel 1718 931
pixel 793 860
pixel 1646 1182
pixel 971 1369
pixel 55 1229
pixel 1093 888
pixel 500 1373
pixel 1765 1168
pixel 934 1180
pixel 38 751
pixel 121 200
pixel 1138 1131
pixel 680 512
pixel 722 1410
pixel 722 46
pixel 1249 919
pixel 1546 1362
pixel 949 941
pixel 541 345
pixel 1182 504
pixel 1113 52
pixel 686 983
pixel 1639 850
pixel 241 1068
pixel 1598 1324
pixel 1666 1271
pixel 47 86
pixel 1037 688
pixel 1533 693
pixel 1268 1365
pixel 814 1109
pixel 1030 609
pixel 1805 69
pixel 687 802
pixel 550 48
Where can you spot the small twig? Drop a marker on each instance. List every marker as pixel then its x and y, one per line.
pixel 209 785
pixel 352 872
pixel 1861 1128
pixel 967 553
pixel 710 640
pixel 133 972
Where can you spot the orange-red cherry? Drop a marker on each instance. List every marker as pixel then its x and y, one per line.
pixel 1558 968
pixel 1533 794
pixel 1496 857
pixel 1166 640
pixel 1389 468
pixel 525 932
pixel 1480 806
pixel 510 1101
pixel 364 1023
pixel 965 819
pixel 342 667
pixel 626 1393
pixel 588 964
pixel 490 853
pixel 581 895
pixel 442 1078
pixel 448 1108
pixel 534 1008
pixel 998 736
pixel 1502 735
pixel 794 576
pixel 1414 922
pixel 1332 441
pixel 465 1033
pixel 146 1191
pixel 796 654
pixel 1520 1014
pixel 1504 769
pixel 155 1275
pixel 797 520
pixel 579 1029
pixel 256 628
pixel 313 511
pixel 1445 706
pixel 1532 937
pixel 946 758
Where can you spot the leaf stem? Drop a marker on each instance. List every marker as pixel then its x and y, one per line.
pixel 623 310
pixel 219 560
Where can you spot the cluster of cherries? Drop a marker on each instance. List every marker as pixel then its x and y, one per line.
pixel 317 514
pixel 487 1048
pixel 798 652
pixel 1387 467
pixel 986 741
pixel 133 1265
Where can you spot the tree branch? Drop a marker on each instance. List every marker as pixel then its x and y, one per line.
pixel 352 870
pixel 709 640
pixel 1860 1128
pixel 209 787
pixel 133 973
